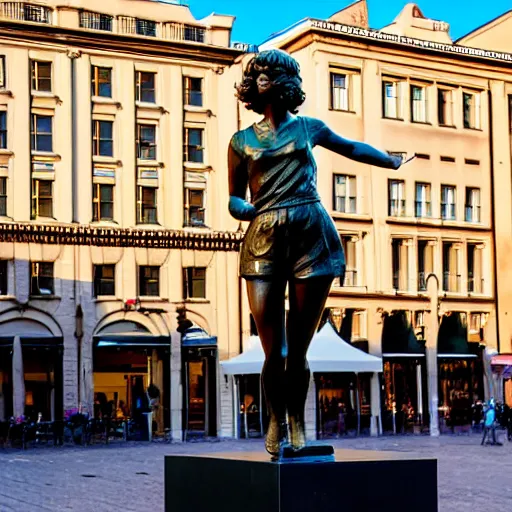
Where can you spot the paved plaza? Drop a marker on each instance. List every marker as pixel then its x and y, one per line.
pixel 129 477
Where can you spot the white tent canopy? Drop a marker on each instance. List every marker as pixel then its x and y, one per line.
pixel 327 353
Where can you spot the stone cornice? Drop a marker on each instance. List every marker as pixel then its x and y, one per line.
pixel 75 234
pixel 109 41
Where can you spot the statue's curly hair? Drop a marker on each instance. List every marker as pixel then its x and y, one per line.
pixel 284 73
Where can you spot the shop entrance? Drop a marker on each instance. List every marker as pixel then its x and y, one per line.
pixel 199 360
pixel 343 404
pixel 131 372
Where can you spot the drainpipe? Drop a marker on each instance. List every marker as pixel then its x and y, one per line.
pixel 74 54
pixel 494 214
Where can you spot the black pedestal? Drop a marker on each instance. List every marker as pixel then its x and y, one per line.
pixel 359 481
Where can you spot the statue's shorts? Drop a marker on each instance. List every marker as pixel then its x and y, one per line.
pixel 294 242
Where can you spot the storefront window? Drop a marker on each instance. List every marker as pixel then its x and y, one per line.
pixel 338 413
pixel 460 388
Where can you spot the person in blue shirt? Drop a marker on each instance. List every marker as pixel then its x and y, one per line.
pixel 490 422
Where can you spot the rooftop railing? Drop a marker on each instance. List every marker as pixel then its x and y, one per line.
pixel 23 11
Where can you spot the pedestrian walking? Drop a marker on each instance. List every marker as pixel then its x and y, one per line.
pixel 490 423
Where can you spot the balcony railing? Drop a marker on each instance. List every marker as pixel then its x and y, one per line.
pixel 448 211
pixel 422 281
pixel 96 21
pixel 451 282
pixel 129 25
pixel 397 207
pixel 472 213
pixel 423 209
pixel 350 279
pixel 475 285
pixel 184 32
pixel 25 12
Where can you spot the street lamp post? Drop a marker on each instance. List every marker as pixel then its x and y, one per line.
pixel 431 354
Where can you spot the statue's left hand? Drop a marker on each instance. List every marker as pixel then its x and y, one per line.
pixel 241 209
pixel 396 161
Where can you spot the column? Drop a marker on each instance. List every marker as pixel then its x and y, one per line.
pixel 431 354
pixel 176 388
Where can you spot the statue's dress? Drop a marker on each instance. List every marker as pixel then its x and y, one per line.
pixel 292 234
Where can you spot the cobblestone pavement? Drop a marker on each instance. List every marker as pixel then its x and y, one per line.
pixel 129 477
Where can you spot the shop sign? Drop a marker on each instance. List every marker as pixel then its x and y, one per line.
pixel 410 41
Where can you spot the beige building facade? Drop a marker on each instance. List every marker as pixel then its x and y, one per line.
pixel 112 171
pixel 409 89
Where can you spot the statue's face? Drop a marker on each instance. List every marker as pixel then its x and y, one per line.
pixel 263 83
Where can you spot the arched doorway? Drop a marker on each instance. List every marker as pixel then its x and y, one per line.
pixel 131 374
pixel 41 366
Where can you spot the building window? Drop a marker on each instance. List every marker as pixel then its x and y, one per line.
pixel 194 150
pixel 425 263
pixel 193 90
pixel 3 197
pixel 41 133
pixel 471 107
pixel 396 198
pixel 145 27
pixel 146 205
pixel 400 264
pixel 41 278
pixel 423 203
pixel 145 87
pixel 3 277
pixel 340 92
pixel 392 93
pixel 104 280
pixel 349 247
pixel 96 21
pixel 419 104
pixel 472 205
pixel 192 33
pixel 146 141
pixel 451 273
pixel 475 268
pixel 445 107
pixel 42 198
pixel 101 82
pixel 194 283
pixel 102 138
pixel 41 76
pixel 102 202
pixel 3 130
pixel 359 320
pixel 345 193
pixel 194 207
pixel 448 204
pixel 149 281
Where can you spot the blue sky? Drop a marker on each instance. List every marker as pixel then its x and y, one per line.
pixel 256 20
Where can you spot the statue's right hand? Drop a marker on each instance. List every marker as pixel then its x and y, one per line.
pixel 241 209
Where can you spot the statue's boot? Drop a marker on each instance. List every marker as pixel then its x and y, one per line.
pixel 297 432
pixel 276 435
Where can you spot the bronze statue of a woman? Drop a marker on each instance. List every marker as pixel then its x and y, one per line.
pixel 291 239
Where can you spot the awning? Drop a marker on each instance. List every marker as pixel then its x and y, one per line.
pixel 195 336
pixel 327 353
pixel 452 338
pixel 502 360
pixel 398 335
pixel 131 340
pixel 407 355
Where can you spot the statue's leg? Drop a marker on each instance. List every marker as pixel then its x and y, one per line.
pixel 266 300
pixel 307 300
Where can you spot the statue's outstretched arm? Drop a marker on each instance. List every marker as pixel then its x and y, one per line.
pixel 239 208
pixel 323 136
